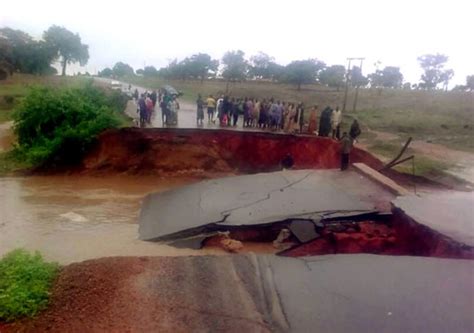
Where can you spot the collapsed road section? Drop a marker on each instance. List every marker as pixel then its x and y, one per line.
pixel 301 213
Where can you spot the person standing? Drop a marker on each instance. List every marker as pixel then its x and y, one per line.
pixel 200 110
pixel 325 122
pixel 149 108
pixel 142 110
pixel 153 98
pixel 336 118
pixel 256 113
pixel 355 130
pixel 346 147
pixel 300 116
pixel 313 119
pixel 211 108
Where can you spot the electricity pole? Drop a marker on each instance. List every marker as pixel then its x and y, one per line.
pixel 347 81
pixel 347 84
pixel 357 87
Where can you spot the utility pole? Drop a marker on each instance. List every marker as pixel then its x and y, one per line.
pixel 357 86
pixel 347 84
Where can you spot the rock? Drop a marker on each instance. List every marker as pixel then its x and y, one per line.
pixel 280 242
pixel 231 245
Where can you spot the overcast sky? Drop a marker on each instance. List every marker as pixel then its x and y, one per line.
pixel 394 32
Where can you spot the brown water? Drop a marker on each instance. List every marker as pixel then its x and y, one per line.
pixel 70 218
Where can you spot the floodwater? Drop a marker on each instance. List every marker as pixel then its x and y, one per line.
pixel 74 218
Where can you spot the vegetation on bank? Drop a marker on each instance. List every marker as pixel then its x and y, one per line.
pixel 16 87
pixel 57 125
pixel 25 283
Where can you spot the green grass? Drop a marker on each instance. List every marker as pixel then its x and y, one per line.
pixel 424 166
pixel 25 282
pixel 13 161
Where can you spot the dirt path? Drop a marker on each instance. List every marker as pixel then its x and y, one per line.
pixel 463 161
pixel 6 135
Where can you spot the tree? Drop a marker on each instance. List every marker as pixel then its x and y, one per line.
pixel 303 71
pixel 149 71
pixel 67 46
pixel 434 71
pixel 121 69
pixel 235 65
pixel 470 82
pixel 333 76
pixel 23 54
pixel 389 77
pixel 106 72
pixel 357 78
pixel 260 65
pixel 200 66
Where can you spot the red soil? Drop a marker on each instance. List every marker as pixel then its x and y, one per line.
pixel 192 151
pixel 144 294
pixel 402 236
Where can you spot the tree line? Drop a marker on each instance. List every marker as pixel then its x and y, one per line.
pixel 21 53
pixel 235 67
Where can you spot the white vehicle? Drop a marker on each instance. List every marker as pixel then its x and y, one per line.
pixel 115 85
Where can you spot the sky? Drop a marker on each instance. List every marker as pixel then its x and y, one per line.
pixel 392 32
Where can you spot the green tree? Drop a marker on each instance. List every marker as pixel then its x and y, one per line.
pixel 67 46
pixel 24 54
pixel 357 78
pixel 434 71
pixel 149 71
pixel 389 77
pixel 470 82
pixel 106 72
pixel 200 66
pixel 260 66
pixel 235 66
pixel 333 76
pixel 301 72
pixel 121 69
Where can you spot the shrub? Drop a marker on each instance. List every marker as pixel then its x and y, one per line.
pixel 57 126
pixel 25 281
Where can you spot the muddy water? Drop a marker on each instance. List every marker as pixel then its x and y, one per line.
pixel 76 218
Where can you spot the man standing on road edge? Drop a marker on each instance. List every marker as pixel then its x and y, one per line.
pixel 346 147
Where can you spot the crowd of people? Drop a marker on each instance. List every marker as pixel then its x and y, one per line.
pixel 146 104
pixel 265 114
pixel 272 114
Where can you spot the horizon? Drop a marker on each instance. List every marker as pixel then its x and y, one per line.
pixel 284 31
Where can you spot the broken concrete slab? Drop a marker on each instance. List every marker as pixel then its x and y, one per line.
pixel 450 213
pixel 257 200
pixel 304 230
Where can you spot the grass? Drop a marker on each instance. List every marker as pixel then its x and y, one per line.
pixel 11 162
pixel 25 282
pixel 424 166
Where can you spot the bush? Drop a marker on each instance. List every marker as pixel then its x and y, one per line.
pixel 57 126
pixel 25 281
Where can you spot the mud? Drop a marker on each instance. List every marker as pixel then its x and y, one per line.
pixel 400 235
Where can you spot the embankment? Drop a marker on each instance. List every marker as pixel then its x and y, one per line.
pixel 164 151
